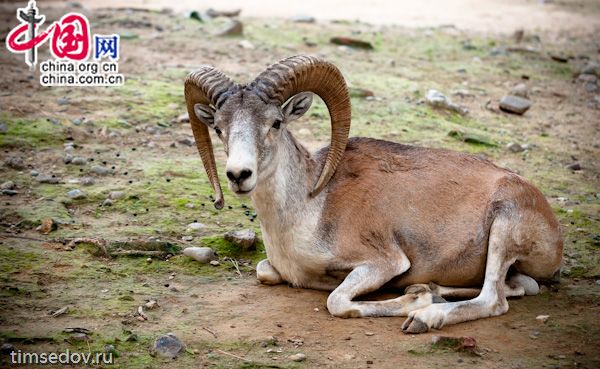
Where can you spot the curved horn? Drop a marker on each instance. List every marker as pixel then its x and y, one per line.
pixel 207 86
pixel 308 73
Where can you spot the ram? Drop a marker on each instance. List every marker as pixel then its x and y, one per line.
pixel 362 214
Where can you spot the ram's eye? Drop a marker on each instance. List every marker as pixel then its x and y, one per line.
pixel 218 131
pixel 277 124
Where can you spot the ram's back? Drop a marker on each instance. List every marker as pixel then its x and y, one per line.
pixel 435 205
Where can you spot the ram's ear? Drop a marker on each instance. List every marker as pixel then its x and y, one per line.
pixel 206 114
pixel 297 106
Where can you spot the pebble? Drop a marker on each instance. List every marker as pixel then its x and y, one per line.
pixel 44 178
pixel 234 28
pixel 437 99
pixel 542 318
pixel 514 104
pixel 187 141
pixel 82 337
pixel 168 346
pixel 514 147
pixel 574 166
pixel 78 160
pixel 152 304
pixel 7 348
pixel 214 263
pixel 100 170
pixel 303 19
pixel 297 357
pixel 15 162
pixel 115 195
pixel 8 185
pixel 201 254
pixel 195 226
pixel 520 90
pixel 245 44
pixel 10 192
pixel 67 158
pixel 87 181
pixel 76 194
pixel 189 205
pixel 107 202
pixel 187 238
pixel 63 101
pixel 3 128
pixel 591 68
pixel 245 238
pixel 182 118
pixel 34 173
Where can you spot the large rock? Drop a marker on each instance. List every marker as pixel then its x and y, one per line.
pixel 514 104
pixel 244 238
pixel 202 254
pixel 168 346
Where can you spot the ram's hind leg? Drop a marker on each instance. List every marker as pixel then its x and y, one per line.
pixel 517 285
pixel 368 278
pixel 491 301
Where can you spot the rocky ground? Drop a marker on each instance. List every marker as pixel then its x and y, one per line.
pixel 102 189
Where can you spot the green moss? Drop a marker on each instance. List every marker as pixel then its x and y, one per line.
pixel 30 133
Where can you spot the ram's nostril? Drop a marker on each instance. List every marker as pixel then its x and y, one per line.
pixel 245 173
pixel 231 176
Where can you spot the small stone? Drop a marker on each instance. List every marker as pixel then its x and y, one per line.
pixel 99 170
pixel 107 202
pixel 8 185
pixel 77 121
pixel 189 205
pixel 245 44
pixel 67 158
pixel 369 334
pixel 303 19
pixel 245 238
pixel 44 178
pixel 187 141
pixel 152 304
pixel 182 118
pixel 591 87
pixel 131 338
pixel 3 128
pixel 514 104
pixel 76 194
pixel 591 68
pixel 78 160
pixel 87 181
pixel 187 238
pixel 115 195
pixel 438 100
pixel 80 337
pixel 520 90
pixel 574 166
pixel 214 263
pixel 201 254
pixel 514 147
pixel 34 173
pixel 15 162
pixel 297 357
pixel 234 28
pixel 542 318
pixel 10 192
pixel 7 348
pixel 168 346
pixel 63 101
pixel 196 226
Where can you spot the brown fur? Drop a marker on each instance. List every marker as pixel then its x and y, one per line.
pixel 443 204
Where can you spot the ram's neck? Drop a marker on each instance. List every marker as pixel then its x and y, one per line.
pixel 282 194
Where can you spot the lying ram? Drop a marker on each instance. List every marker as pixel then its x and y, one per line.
pixel 362 213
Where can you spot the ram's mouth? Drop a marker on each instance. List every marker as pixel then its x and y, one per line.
pixel 243 192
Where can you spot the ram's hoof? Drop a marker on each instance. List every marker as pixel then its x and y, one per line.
pixel 414 325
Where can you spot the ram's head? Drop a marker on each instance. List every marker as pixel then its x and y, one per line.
pixel 250 119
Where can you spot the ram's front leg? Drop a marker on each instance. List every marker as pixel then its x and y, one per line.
pixel 267 274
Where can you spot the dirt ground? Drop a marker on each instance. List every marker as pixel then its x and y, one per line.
pixel 224 317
